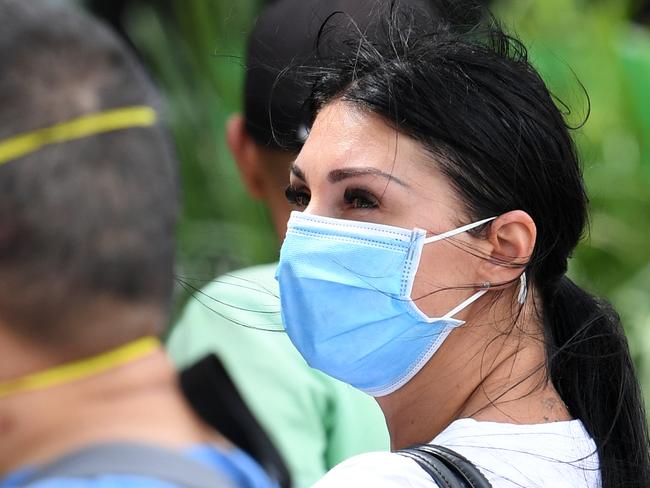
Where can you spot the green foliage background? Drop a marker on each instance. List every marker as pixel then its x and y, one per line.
pixel 195 49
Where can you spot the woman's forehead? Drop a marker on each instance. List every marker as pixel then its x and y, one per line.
pixel 345 136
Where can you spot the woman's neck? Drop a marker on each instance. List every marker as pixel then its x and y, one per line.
pixel 139 401
pixel 505 381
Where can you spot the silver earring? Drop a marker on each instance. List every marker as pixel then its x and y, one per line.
pixel 523 289
pixel 486 285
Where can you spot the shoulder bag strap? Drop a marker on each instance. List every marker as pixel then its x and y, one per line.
pixel 125 458
pixel 216 399
pixel 446 467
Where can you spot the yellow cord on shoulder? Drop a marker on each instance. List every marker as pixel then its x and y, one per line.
pixel 87 125
pixel 81 369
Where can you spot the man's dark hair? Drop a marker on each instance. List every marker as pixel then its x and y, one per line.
pixel 91 220
pixel 642 12
pixel 282 48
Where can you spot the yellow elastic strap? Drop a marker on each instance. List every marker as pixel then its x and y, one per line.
pixel 87 125
pixel 84 368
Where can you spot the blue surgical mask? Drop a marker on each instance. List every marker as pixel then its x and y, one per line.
pixel 345 288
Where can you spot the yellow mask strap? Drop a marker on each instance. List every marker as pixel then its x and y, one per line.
pixel 81 369
pixel 87 125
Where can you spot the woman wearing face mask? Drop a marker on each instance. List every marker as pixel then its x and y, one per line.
pixel 441 198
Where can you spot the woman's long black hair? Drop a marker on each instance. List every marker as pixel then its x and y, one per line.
pixel 472 98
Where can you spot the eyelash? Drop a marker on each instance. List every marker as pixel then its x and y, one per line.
pixel 297 197
pixel 357 198
pixel 353 195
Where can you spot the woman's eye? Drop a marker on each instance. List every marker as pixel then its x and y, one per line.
pixel 358 198
pixel 299 198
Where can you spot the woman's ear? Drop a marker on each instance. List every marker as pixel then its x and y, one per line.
pixel 511 240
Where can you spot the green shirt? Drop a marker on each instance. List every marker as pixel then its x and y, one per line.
pixel 314 420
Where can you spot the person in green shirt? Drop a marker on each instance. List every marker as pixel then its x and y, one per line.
pixel 314 420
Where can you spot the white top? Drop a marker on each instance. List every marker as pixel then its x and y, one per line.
pixel 552 455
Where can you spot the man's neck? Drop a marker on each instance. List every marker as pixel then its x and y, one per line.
pixel 139 401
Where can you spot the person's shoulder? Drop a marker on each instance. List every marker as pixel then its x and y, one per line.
pixel 379 470
pixel 557 454
pixel 103 481
pixel 224 465
pixel 263 272
pixel 235 313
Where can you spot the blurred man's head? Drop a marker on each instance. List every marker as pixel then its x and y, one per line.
pixel 86 226
pixel 269 135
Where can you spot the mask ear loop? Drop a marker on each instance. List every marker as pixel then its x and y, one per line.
pixel 484 289
pixel 523 289
pixel 459 230
pixel 521 298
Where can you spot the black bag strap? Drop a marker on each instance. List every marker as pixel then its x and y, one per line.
pixel 446 467
pixel 126 458
pixel 215 398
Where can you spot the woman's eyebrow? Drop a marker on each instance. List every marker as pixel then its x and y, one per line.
pixel 337 175
pixel 297 172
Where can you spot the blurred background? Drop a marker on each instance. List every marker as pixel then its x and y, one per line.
pixel 194 50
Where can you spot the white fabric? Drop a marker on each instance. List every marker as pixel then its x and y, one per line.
pixel 552 455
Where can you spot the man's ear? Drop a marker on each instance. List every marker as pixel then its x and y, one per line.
pixel 511 240
pixel 246 155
